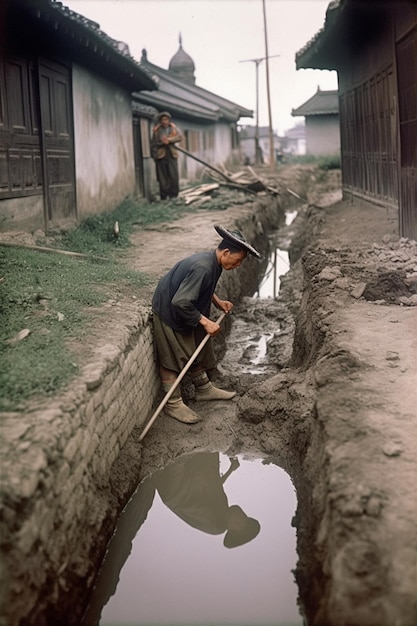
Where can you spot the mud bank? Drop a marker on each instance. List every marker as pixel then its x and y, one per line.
pixel 346 407
pixel 334 406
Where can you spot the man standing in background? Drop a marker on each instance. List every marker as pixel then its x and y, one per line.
pixel 164 137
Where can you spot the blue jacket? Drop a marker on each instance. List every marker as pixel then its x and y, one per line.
pixel 184 294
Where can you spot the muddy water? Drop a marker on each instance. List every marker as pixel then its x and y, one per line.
pixel 207 540
pixel 278 265
pixel 257 318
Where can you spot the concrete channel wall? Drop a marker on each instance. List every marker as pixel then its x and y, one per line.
pixel 60 493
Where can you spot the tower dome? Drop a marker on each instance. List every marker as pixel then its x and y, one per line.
pixel 182 65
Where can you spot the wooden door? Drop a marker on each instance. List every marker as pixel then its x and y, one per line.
pixel 20 158
pixel 57 143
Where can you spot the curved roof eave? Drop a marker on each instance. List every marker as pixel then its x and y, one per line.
pixel 52 26
pixel 320 52
pixel 176 106
pixel 321 103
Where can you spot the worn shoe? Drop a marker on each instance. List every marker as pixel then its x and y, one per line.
pixel 210 392
pixel 180 411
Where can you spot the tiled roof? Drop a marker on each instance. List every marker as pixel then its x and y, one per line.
pixel 188 100
pixel 322 103
pixel 248 132
pixel 50 27
pixel 327 45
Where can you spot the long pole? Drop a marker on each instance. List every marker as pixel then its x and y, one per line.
pixel 271 134
pixel 179 379
pixel 257 62
pixel 257 159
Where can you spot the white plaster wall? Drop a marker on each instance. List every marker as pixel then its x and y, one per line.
pixel 222 143
pixel 323 135
pixel 103 137
pixel 190 170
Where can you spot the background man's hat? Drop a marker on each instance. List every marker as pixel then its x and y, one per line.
pixel 235 238
pixel 164 114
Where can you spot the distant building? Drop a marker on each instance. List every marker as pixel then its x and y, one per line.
pixel 208 121
pixel 372 46
pixel 322 131
pixel 294 142
pixel 247 143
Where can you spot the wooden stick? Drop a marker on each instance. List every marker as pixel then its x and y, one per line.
pixel 230 180
pixel 79 255
pixel 178 380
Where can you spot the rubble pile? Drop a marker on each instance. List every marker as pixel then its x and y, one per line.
pixel 386 273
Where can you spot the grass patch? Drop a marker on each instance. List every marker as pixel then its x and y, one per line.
pixel 95 235
pixel 324 162
pixel 55 297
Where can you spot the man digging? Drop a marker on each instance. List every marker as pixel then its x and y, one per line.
pixel 181 308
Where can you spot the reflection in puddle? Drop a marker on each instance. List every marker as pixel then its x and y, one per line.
pixel 207 540
pixel 290 217
pixel 278 265
pixel 252 359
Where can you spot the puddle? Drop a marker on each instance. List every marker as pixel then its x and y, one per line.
pixel 278 265
pixel 246 350
pixel 290 217
pixel 258 320
pixel 207 540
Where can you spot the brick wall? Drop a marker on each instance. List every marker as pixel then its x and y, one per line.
pixel 56 465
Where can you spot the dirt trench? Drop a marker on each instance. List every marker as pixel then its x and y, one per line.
pixel 333 403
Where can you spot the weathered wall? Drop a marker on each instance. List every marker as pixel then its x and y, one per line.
pixel 103 136
pixel 211 143
pixel 323 135
pixel 57 466
pixel 26 212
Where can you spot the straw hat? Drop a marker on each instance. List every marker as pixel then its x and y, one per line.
pixel 235 238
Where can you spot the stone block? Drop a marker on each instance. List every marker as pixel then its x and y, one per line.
pixel 62 477
pixel 94 442
pixel 358 291
pixel 89 411
pixel 85 443
pixel 101 425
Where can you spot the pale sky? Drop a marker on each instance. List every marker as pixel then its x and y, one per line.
pixel 218 35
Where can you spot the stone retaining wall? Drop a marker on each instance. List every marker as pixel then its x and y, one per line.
pixel 56 463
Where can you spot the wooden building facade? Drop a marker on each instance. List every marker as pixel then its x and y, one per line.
pixel 373 47
pixel 67 145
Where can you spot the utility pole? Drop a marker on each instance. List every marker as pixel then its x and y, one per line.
pixel 257 62
pixel 271 134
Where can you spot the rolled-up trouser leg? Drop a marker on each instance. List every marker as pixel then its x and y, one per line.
pixel 205 390
pixel 176 408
